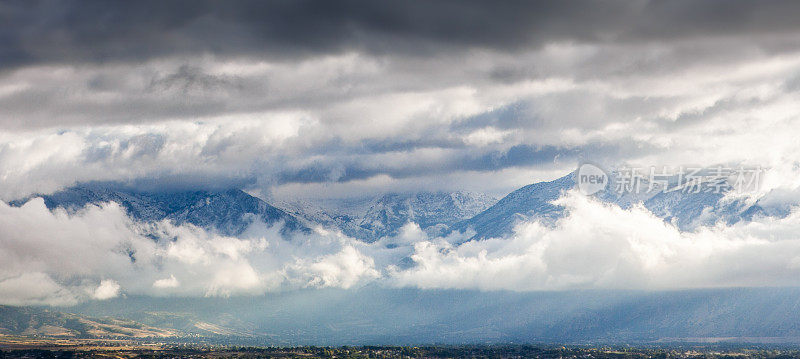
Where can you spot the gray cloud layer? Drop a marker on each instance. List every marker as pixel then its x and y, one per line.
pixel 286 96
pixel 99 31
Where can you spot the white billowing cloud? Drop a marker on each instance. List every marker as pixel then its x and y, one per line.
pixel 107 289
pixel 96 241
pixel 234 277
pixel 200 262
pixel 343 269
pixel 34 288
pixel 486 136
pixel 62 258
pixel 170 282
pixel 603 246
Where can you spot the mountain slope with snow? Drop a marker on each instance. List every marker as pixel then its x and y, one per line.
pixel 687 210
pixel 369 219
pixel 530 202
pixel 228 212
pixel 434 212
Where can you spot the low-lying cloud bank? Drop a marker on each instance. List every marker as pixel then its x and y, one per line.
pixel 98 253
pixel 603 246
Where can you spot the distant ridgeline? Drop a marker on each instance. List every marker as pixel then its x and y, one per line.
pixel 684 207
pixel 230 212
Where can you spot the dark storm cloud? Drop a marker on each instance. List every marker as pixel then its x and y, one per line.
pixel 79 31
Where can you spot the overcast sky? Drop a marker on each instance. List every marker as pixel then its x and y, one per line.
pixel 289 99
pixel 342 98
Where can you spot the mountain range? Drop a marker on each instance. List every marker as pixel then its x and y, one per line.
pixel 374 314
pixel 230 212
pixel 685 208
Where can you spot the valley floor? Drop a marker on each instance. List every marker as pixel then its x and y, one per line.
pixel 23 347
